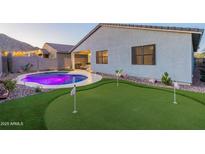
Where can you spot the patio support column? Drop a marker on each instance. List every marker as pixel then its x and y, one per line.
pixel 73 60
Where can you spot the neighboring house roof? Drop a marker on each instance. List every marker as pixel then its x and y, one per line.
pixel 10 44
pixel 45 52
pixel 196 33
pixel 61 48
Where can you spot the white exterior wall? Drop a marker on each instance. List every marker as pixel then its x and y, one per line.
pixel 173 52
pixel 1 67
pixel 52 51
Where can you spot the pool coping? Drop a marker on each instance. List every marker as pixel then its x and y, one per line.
pixel 91 78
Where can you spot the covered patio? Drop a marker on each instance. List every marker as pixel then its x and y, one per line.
pixel 81 60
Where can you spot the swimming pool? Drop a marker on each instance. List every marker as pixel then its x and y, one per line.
pixel 54 78
pixel 58 79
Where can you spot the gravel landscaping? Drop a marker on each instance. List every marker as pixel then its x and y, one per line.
pixel 199 87
pixel 20 90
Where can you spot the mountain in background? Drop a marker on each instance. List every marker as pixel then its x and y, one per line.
pixel 10 44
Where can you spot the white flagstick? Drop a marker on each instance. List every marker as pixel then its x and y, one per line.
pixel 175 86
pixel 118 74
pixel 117 80
pixel 118 71
pixel 74 97
pixel 74 104
pixel 175 102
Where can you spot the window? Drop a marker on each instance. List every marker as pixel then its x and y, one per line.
pixel 143 55
pixel 102 57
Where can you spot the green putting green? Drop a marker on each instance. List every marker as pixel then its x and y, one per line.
pixel 128 106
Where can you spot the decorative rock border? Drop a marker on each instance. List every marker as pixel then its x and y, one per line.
pixel 192 88
pixel 20 91
pixel 24 90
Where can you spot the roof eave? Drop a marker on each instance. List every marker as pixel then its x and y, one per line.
pixel 152 29
pixel 86 36
pixel 199 41
pixel 132 27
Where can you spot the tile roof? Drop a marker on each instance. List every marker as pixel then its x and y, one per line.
pixel 8 43
pixel 151 27
pixel 45 51
pixel 196 32
pixel 61 48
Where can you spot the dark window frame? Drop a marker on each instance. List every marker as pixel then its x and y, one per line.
pixel 142 55
pixel 101 57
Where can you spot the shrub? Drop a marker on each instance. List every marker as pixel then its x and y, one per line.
pixel 27 67
pixel 166 79
pixel 4 93
pixel 202 79
pixel 66 69
pixel 38 90
pixel 10 85
pixel 119 72
pixel 202 72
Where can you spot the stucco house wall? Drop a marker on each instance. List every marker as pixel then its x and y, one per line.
pixel 58 52
pixel 39 64
pixel 52 51
pixel 63 60
pixel 173 52
pixel 1 65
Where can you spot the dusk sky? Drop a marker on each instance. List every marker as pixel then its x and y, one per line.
pixel 38 34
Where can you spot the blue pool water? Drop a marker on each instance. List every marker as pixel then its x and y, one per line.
pixel 53 78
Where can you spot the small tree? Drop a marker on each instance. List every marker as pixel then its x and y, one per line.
pixel 118 74
pixel 27 67
pixel 38 89
pixel 10 85
pixel 166 79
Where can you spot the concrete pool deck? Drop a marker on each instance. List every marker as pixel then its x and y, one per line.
pixel 91 78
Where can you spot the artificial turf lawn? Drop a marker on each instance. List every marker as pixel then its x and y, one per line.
pixel 125 107
pixel 104 106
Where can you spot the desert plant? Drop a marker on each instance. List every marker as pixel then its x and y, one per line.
pixel 3 92
pixel 10 85
pixel 38 89
pixel 66 69
pixel 202 79
pixel 27 67
pixel 118 74
pixel 202 72
pixel 166 79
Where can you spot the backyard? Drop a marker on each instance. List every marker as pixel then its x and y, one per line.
pixel 103 105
